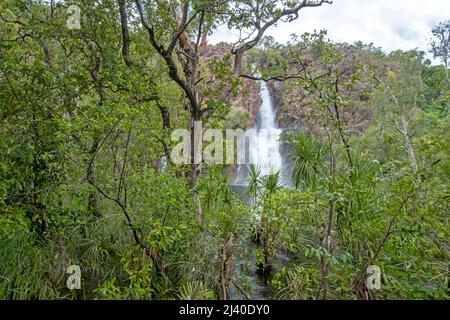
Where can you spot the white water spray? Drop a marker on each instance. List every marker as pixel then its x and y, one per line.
pixel 264 149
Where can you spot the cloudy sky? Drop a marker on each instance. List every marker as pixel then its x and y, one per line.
pixel 390 24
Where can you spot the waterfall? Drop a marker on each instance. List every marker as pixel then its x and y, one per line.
pixel 264 148
pixel 264 152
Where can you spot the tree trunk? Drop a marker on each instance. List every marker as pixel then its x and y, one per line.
pixel 196 149
pixel 412 156
pixel 226 267
pixel 93 200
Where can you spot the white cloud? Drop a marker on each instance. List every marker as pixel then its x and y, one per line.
pixel 390 24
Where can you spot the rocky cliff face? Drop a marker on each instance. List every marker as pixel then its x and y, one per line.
pixel 293 112
pixel 249 99
pixel 247 94
pixel 296 107
pixel 293 109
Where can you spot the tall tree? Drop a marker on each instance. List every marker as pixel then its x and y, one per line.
pixel 178 31
pixel 440 45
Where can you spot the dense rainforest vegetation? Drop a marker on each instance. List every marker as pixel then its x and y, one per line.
pixel 90 93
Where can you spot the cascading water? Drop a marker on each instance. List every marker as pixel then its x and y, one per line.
pixel 264 148
pixel 264 153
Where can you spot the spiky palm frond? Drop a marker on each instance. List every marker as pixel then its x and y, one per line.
pixel 271 183
pixel 309 157
pixel 254 181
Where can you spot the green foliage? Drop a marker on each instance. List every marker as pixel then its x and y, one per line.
pixel 237 118
pixel 309 156
pixel 366 196
pixel 297 283
pixel 84 130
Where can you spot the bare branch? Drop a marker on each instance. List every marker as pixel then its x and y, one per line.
pixel 290 14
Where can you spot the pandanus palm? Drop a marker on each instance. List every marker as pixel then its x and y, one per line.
pixel 261 186
pixel 309 156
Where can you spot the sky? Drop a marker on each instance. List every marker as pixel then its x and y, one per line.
pixel 389 24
